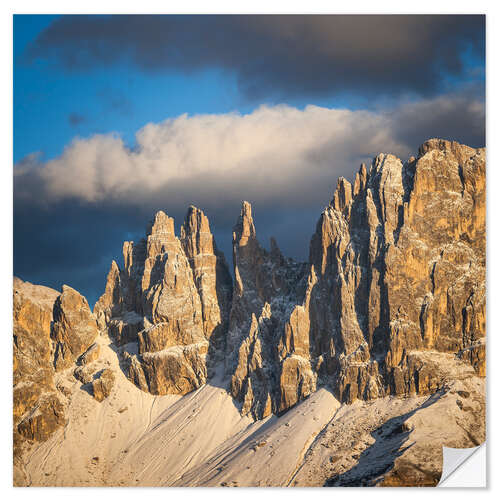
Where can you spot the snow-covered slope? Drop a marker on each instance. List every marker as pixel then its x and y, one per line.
pixel 134 438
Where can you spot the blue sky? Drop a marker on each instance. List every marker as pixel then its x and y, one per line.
pixel 91 76
pixel 119 98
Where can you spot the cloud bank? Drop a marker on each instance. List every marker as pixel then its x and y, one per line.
pixel 279 56
pixel 275 155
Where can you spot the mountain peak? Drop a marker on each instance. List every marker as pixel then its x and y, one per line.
pixel 244 228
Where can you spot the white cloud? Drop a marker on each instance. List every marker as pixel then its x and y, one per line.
pixel 272 155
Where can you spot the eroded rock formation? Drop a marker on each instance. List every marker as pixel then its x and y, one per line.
pixel 51 330
pixel 265 352
pixel 170 302
pixel 74 329
pixel 390 302
pixel 396 275
pixel 103 384
pixel 36 405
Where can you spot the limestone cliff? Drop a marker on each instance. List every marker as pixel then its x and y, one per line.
pixel 396 276
pixel 37 408
pixel 74 329
pixel 169 304
pixel 402 256
pixel 267 376
pixel 390 302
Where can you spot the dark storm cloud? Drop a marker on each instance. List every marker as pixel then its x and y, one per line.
pixel 459 117
pixel 70 243
pixel 76 119
pixel 278 55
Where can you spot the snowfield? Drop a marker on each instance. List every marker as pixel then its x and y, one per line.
pixel 134 438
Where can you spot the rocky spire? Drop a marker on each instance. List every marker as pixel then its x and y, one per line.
pixel 267 287
pixel 195 234
pixel 342 195
pixel 210 272
pixel 172 300
pixel 396 270
pixel 244 229
pixel 111 301
pixel 161 236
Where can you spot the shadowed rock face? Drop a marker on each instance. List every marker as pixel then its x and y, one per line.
pixel 267 289
pixel 396 274
pixel 172 301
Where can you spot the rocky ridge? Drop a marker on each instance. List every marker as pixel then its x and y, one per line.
pixel 390 303
pixel 396 276
pixel 400 257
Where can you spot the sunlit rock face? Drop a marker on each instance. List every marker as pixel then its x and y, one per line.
pixel 211 278
pixel 170 302
pixel 396 271
pixel 74 329
pixel 51 330
pixel 37 408
pixel 401 263
pixel 390 302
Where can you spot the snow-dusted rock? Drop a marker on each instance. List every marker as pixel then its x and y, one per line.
pixel 171 300
pixel 268 288
pixel 391 303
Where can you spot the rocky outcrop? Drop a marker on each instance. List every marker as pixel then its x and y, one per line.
pixel 396 271
pixel 103 384
pixel 269 368
pixel 171 302
pixel 37 410
pixel 74 329
pixel 43 419
pixel 84 374
pixel 90 355
pixel 407 250
pixel 390 302
pixel 51 330
pixel 211 276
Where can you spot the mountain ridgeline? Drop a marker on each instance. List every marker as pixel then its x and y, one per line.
pixel 395 281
